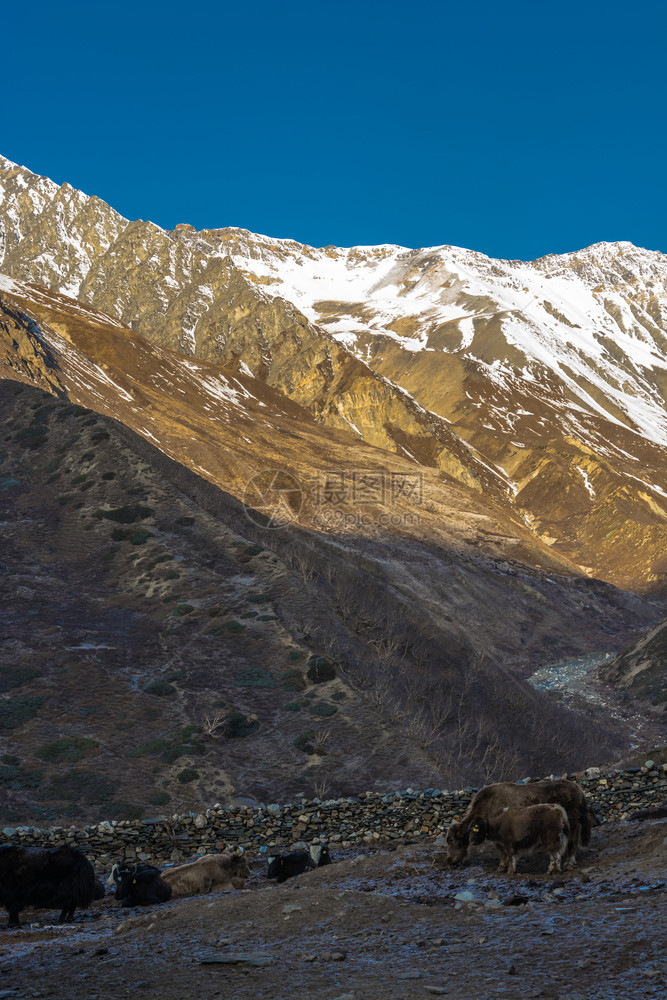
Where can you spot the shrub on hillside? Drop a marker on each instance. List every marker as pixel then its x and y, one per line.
pixel 303 742
pixel 320 670
pixel 11 677
pixel 187 775
pixel 159 687
pixel 238 725
pixel 125 515
pixel 292 680
pixel 323 709
pixel 182 610
pixel 67 750
pixel 15 711
pixel 234 626
pixel 254 677
pixel 32 436
pixel 160 798
pixel 12 776
pixel 139 536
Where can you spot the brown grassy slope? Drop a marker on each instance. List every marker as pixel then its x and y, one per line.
pixel 594 488
pixel 137 651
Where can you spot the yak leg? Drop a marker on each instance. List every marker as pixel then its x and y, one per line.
pixel 67 913
pixel 555 847
pixel 554 863
pixel 503 859
pixel 14 919
pixel 572 845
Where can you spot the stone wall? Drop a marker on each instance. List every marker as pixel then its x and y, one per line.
pixel 369 818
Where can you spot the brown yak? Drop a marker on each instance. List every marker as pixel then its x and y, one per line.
pixel 491 800
pixel 212 871
pixel 514 831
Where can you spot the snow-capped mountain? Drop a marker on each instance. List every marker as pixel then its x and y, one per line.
pixel 595 320
pixel 543 382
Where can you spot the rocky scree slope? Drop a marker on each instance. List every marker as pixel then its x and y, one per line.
pixel 640 671
pixel 542 382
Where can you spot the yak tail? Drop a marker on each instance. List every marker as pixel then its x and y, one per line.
pixel 83 883
pixel 584 823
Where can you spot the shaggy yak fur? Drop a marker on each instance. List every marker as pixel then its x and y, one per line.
pixel 212 871
pixel 284 866
pixel 514 831
pixel 45 877
pixel 491 800
pixel 139 885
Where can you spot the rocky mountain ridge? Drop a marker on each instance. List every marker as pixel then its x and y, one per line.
pixel 541 383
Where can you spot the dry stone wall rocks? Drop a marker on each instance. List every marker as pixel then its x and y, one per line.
pixel 366 819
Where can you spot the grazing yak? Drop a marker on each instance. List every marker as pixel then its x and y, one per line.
pixel 491 800
pixel 284 866
pixel 212 871
pixel 514 831
pixel 139 885
pixel 45 877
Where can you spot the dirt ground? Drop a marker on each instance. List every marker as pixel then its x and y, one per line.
pixel 377 923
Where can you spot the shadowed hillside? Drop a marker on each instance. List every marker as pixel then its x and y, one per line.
pixel 161 650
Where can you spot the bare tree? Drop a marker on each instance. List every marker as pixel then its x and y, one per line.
pixel 214 725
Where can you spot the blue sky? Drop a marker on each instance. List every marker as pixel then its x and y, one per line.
pixel 513 128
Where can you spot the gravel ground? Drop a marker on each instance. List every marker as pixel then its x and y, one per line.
pixel 383 923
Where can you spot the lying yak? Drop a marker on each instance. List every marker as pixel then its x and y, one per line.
pixel 491 800
pixel 515 831
pixel 139 885
pixel 212 871
pixel 45 877
pixel 284 866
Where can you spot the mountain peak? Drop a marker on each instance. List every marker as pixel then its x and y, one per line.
pixel 490 370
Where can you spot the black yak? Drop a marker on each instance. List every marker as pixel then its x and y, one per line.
pixel 139 885
pixel 284 866
pixel 45 877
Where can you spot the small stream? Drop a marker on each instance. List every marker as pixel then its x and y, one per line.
pixel 570 676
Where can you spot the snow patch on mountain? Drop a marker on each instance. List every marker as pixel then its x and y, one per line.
pixel 594 319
